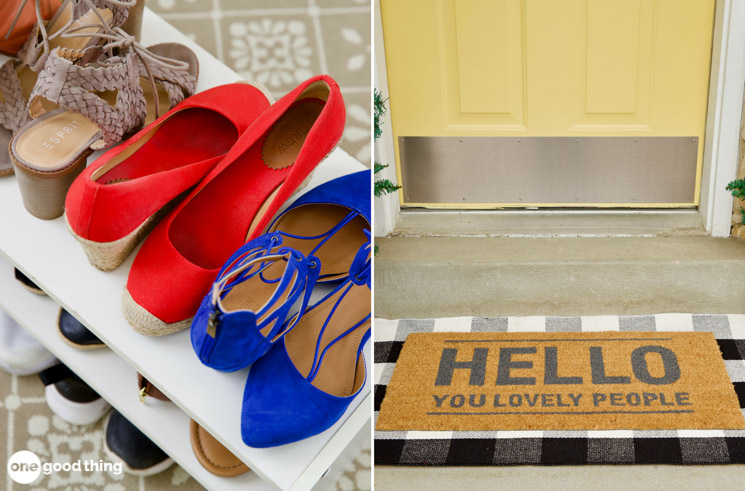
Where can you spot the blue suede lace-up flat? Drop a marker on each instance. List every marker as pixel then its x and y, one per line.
pixel 246 312
pixel 308 379
pixel 248 307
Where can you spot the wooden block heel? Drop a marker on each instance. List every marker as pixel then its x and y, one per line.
pixel 44 193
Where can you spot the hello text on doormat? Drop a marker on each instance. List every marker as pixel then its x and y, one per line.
pixel 560 381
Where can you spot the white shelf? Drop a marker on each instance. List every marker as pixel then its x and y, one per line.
pixel 47 253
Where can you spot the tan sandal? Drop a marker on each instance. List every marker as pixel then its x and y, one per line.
pixel 213 455
pixel 18 77
pixel 84 101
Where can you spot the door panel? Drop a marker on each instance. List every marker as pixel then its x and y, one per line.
pixel 551 68
pixel 612 57
pixel 612 61
pixel 483 90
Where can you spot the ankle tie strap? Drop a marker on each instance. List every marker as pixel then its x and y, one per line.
pixel 359 272
pixel 299 276
pixel 122 4
pixel 119 39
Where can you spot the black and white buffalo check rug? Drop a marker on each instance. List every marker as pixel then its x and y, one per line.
pixel 561 447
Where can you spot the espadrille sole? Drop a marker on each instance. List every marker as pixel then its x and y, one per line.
pixel 29 285
pixel 108 256
pixel 146 323
pixel 82 347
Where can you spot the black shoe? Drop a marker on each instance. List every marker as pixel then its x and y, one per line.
pixel 76 334
pixel 70 398
pixel 28 284
pixel 124 443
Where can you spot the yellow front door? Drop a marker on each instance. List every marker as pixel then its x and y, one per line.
pixel 548 102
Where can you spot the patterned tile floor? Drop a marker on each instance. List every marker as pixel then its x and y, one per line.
pixel 279 43
pixel 26 422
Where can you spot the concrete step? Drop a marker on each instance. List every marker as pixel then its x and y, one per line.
pixel 418 277
pixel 549 223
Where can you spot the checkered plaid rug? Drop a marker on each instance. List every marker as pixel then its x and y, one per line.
pixel 561 447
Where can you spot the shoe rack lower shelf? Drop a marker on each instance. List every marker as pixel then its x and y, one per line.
pixel 115 381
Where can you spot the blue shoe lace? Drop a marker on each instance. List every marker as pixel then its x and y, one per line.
pixel 253 263
pixel 359 274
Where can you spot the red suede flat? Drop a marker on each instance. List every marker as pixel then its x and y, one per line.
pixel 234 203
pixel 120 197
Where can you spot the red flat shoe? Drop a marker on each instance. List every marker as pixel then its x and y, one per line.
pixel 234 203
pixel 120 197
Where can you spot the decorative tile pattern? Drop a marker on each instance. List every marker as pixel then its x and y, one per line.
pixel 26 422
pixel 280 43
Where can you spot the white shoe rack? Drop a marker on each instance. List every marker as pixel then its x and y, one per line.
pixel 47 253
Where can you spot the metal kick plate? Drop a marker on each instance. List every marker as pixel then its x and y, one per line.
pixel 550 170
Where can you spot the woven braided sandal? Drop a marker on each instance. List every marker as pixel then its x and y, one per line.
pixel 18 77
pixel 86 101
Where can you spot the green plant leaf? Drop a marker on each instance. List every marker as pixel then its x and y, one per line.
pixel 737 188
pixel 382 186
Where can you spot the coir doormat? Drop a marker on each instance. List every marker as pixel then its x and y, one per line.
pixel 560 381
pixel 648 370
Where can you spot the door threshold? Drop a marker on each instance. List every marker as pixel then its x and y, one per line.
pixel 550 223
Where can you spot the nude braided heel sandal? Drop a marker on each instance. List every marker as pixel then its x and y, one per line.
pixel 18 76
pixel 88 100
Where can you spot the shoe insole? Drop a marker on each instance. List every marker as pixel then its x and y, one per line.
pixel 341 371
pixel 188 136
pixel 253 294
pixel 55 140
pixel 338 252
pixel 233 200
pixel 77 43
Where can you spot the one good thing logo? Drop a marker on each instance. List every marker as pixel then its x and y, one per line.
pixel 24 467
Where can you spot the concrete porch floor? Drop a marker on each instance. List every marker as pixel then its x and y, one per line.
pixel 421 277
